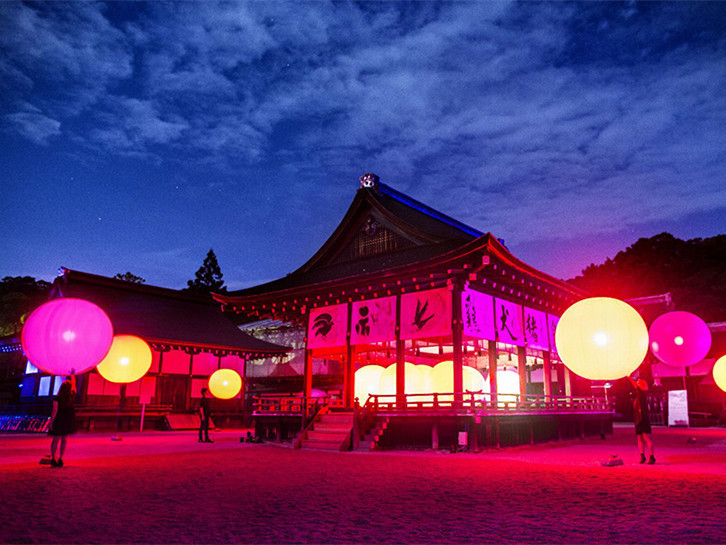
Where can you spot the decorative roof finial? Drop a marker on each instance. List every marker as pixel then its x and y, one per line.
pixel 369 180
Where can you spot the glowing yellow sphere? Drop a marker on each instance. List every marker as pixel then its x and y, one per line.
pixel 719 373
pixel 415 382
pixel 367 380
pixel 601 338
pixel 128 360
pixel 225 383
pixel 442 379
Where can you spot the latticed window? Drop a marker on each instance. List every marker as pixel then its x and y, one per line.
pixel 373 239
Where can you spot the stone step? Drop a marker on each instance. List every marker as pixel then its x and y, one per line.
pixel 337 417
pixel 332 426
pixel 320 445
pixel 328 435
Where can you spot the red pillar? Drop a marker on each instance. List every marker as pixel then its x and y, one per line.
pixel 493 357
pixel 547 371
pixel 522 370
pixel 400 357
pixel 349 368
pixel 457 335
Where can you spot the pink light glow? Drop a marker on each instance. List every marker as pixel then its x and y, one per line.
pixel 679 338
pixel 67 335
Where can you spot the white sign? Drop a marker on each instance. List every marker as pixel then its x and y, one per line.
pixel 328 326
pixel 477 315
pixel 426 314
pixel 373 321
pixel 510 328
pixel 677 408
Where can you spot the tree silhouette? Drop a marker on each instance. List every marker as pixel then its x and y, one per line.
pixel 693 271
pixel 19 295
pixel 130 277
pixel 208 277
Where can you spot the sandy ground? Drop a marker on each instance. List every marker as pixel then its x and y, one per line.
pixel 166 488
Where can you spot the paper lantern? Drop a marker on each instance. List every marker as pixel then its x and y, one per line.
pixel 67 335
pixel 225 383
pixel 679 338
pixel 367 380
pixel 601 338
pixel 128 360
pixel 719 373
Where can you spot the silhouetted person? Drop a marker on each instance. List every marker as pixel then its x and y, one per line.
pixel 204 418
pixel 642 419
pixel 62 419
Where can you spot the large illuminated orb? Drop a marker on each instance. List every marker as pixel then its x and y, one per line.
pixel 367 380
pixel 601 338
pixel 414 382
pixel 128 360
pixel 508 388
pixel 679 338
pixel 719 373
pixel 442 379
pixel 67 335
pixel 225 383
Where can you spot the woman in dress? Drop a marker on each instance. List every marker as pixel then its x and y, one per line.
pixel 642 419
pixel 62 419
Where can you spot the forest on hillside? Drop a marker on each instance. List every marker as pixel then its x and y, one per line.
pixel 693 271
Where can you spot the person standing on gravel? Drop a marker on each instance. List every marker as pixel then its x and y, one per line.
pixel 642 419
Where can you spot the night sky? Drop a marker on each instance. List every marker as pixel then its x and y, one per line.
pixel 136 136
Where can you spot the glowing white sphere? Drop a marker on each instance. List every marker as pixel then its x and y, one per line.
pixel 367 381
pixel 601 338
pixel 719 373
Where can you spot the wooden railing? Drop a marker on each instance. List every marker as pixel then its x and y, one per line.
pixel 483 403
pixel 464 403
pixel 291 405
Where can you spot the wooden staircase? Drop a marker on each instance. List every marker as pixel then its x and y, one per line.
pixel 328 431
pixel 370 440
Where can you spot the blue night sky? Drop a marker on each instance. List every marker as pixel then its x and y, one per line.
pixel 136 136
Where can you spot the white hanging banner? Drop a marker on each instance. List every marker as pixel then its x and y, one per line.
pixel 552 322
pixel 426 314
pixel 328 326
pixel 509 322
pixel 535 329
pixel 373 321
pixel 477 314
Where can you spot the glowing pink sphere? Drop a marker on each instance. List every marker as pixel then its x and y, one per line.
pixel 67 335
pixel 679 338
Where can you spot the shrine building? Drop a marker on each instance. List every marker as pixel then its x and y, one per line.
pixel 400 283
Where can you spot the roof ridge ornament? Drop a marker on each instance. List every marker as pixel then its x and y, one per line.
pixel 369 181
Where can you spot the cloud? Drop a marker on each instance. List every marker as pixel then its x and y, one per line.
pixel 524 110
pixel 34 126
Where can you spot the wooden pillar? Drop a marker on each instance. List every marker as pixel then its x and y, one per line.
pixel 568 381
pixel 400 359
pixel 308 373
pixel 435 435
pixel 522 371
pixel 493 357
pixel 547 371
pixel 457 336
pixel 308 369
pixel 349 368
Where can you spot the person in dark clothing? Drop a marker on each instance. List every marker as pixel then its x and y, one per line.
pixel 642 419
pixel 62 419
pixel 204 418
